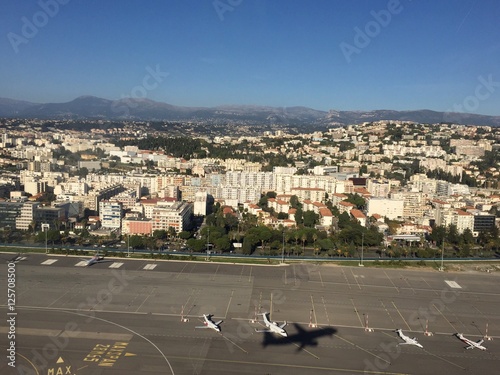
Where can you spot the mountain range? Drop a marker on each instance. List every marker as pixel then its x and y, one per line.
pixel 93 108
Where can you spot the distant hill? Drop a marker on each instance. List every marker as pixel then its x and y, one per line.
pixel 91 107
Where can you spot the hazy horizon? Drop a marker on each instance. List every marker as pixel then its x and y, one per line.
pixel 356 55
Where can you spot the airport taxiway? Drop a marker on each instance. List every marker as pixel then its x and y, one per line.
pixel 129 316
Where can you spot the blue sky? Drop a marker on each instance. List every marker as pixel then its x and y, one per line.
pixel 417 54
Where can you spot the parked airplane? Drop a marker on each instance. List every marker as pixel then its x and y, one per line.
pixel 209 323
pixel 95 259
pixel 273 326
pixel 408 340
pixel 472 344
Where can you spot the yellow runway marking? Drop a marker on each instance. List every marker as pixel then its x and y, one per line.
pixel 31 363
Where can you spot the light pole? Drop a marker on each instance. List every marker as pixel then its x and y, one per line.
pixel 362 250
pixel 442 257
pixel 128 245
pixel 208 241
pixel 283 250
pixel 45 228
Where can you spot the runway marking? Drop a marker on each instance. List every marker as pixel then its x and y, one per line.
pixel 294 275
pixel 355 279
pixel 451 363
pixel 365 350
pixel 304 349
pixel 229 303
pixel 31 363
pixel 314 311
pixel 145 299
pixel 345 277
pixel 250 275
pixel 453 284
pixel 70 290
pixel 394 285
pixel 232 342
pixel 241 274
pixel 407 282
pixel 388 313
pixel 439 311
pixel 357 313
pixel 180 272
pixel 82 263
pixel 132 331
pixel 48 262
pixel 287 365
pixel 431 288
pixel 404 320
pixel 116 265
pixel 285 277
pixel 150 266
pixel 321 278
pixel 215 274
pixel 326 311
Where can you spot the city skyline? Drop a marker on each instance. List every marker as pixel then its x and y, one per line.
pixel 359 55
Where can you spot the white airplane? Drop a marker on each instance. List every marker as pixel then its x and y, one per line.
pixel 472 344
pixel 95 259
pixel 273 326
pixel 408 340
pixel 209 323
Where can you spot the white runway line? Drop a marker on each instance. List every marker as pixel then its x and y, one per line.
pixel 48 262
pixel 116 265
pixel 453 284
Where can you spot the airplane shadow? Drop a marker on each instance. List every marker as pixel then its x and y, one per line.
pixel 301 338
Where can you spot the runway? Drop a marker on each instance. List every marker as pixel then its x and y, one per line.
pixel 127 316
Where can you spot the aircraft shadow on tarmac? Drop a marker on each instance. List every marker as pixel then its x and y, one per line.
pixel 301 338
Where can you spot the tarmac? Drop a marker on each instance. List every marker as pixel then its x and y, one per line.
pixel 128 316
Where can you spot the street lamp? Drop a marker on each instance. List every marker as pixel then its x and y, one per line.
pixel 362 250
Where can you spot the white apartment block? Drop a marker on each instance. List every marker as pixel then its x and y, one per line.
pixel 378 188
pixel 263 181
pixel 27 215
pixel 390 208
pixel 461 219
pixel 110 214
pixel 176 215
pixel 200 203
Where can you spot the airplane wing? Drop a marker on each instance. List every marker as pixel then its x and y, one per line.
pixel 202 327
pixel 282 325
pixel 480 342
pixel 263 330
pixel 470 347
pixel 219 322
